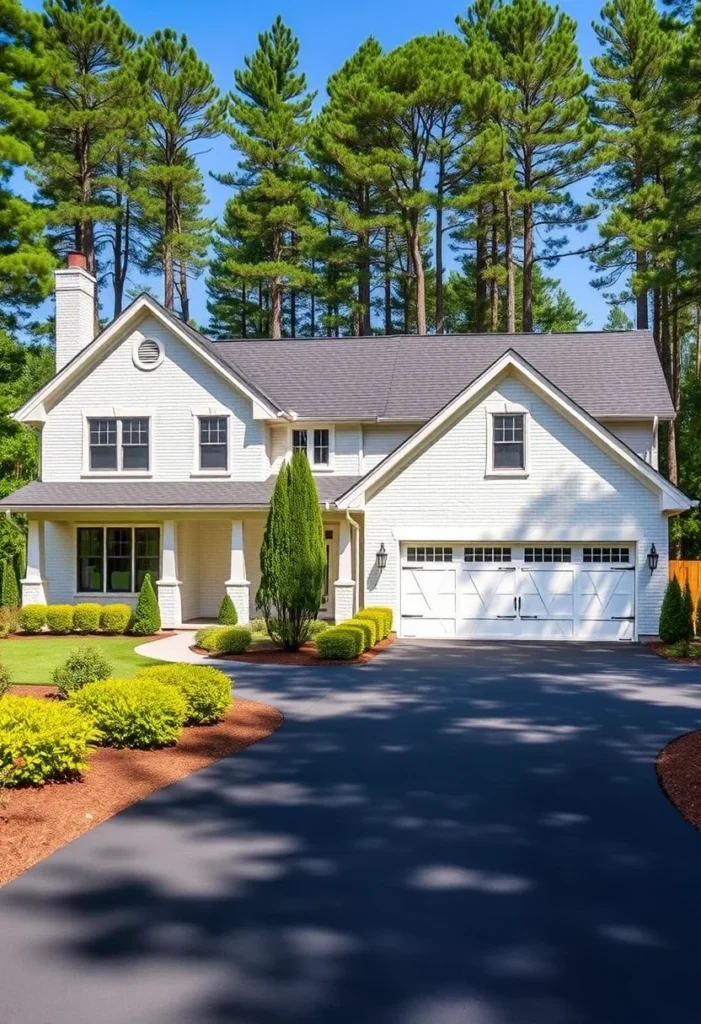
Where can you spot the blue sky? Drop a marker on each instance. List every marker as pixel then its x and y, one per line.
pixel 329 32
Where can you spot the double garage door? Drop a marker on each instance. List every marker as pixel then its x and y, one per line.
pixel 516 592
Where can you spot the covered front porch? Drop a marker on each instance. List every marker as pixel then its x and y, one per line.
pixel 194 557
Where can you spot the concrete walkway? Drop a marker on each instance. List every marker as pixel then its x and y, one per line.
pixel 452 834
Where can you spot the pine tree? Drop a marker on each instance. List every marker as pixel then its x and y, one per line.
pixel 147 614
pixel 618 320
pixel 90 100
pixel 25 261
pixel 270 122
pixel 182 107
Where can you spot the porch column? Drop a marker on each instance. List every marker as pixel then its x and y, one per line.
pixel 169 584
pixel 237 586
pixel 344 587
pixel 34 585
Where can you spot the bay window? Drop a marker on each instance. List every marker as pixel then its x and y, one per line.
pixel 115 559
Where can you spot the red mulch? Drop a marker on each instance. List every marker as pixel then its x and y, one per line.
pixel 266 653
pixel 37 821
pixel 678 768
pixel 657 647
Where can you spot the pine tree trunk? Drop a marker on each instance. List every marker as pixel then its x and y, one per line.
pixel 388 284
pixel 528 254
pixel 261 311
pixel 440 319
pixel 509 261
pixel 85 229
pixel 364 326
pixel 698 341
pixel 642 318
pixel 275 308
pixel 480 267
pixel 184 298
pixel 243 310
pixel 293 313
pixel 168 266
pixel 419 276
pixel 118 282
pixel 312 315
pixel 493 283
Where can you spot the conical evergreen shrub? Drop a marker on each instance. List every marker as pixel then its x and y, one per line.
pixel 147 615
pixel 688 606
pixel 9 597
pixel 674 624
pixel 227 613
pixel 698 618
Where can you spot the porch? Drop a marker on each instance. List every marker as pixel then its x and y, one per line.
pixel 195 558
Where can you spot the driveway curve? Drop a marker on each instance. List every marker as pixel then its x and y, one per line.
pixel 452 834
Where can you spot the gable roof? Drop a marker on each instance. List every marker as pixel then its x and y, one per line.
pixel 610 374
pixel 512 363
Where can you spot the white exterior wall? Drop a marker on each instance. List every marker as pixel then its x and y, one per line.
pixel 379 441
pixel 347 449
pixel 574 492
pixel 168 393
pixel 637 434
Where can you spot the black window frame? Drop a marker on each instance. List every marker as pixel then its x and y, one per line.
pixel 114 549
pixel 214 448
pixel 301 442
pixel 547 554
pixel 506 442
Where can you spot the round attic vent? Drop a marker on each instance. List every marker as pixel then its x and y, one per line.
pixel 148 354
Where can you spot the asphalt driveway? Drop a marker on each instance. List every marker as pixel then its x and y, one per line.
pixel 453 834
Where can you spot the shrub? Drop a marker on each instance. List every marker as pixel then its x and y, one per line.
pixel 207 691
pixel 674 624
pixel 205 637
pixel 231 640
pixel 340 642
pixel 698 618
pixel 5 680
pixel 86 618
pixel 317 626
pixel 227 613
pixel 147 615
pixel 59 618
pixel 369 630
pixel 115 618
pixel 682 649
pixel 40 740
pixel 83 665
pixel 9 620
pixel 9 591
pixel 32 618
pixel 258 626
pixel 688 607
pixel 382 617
pixel 138 713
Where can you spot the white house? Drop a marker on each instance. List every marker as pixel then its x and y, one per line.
pixel 484 486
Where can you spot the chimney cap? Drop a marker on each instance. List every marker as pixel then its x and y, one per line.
pixel 77 260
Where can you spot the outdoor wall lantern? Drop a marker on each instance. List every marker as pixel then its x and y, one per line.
pixel 381 557
pixel 652 559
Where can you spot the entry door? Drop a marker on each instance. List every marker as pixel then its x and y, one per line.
pixel 607 602
pixel 330 549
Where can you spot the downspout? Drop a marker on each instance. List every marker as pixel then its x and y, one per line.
pixel 654 454
pixel 356 527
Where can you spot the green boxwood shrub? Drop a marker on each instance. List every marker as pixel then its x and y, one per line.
pixel 206 690
pixel 5 680
pixel 41 740
pixel 258 626
pixel 83 665
pixel 86 618
pixel 227 612
pixel 382 617
pixel 317 626
pixel 32 618
pixel 340 642
pixel 231 640
pixel 674 615
pixel 137 713
pixel 369 630
pixel 204 637
pixel 59 618
pixel 9 620
pixel 115 618
pixel 9 588
pixel 147 614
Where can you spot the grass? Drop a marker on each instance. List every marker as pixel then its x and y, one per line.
pixel 31 660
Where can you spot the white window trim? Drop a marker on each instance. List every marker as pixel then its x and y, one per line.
pixel 319 467
pixel 204 412
pixel 118 414
pixel 507 409
pixel 112 594
pixel 146 367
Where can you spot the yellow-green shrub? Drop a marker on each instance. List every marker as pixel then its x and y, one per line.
pixel 224 639
pixel 9 620
pixel 382 617
pixel 32 618
pixel 59 618
pixel 369 630
pixel 138 713
pixel 115 618
pixel 42 740
pixel 206 690
pixel 317 626
pixel 340 642
pixel 86 618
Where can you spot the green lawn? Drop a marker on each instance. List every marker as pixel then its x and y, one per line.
pixel 31 660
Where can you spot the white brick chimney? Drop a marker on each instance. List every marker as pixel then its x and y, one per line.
pixel 75 309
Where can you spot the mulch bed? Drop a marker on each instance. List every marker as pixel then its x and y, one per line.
pixel 657 647
pixel 38 821
pixel 678 767
pixel 266 653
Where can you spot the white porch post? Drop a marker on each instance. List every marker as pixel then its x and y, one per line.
pixel 237 586
pixel 169 584
pixel 344 587
pixel 34 586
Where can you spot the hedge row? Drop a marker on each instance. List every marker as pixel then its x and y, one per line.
pixel 350 638
pixel 81 618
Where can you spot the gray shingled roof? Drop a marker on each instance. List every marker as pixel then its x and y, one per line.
pixel 161 494
pixel 607 373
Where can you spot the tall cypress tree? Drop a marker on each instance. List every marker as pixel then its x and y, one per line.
pixel 270 121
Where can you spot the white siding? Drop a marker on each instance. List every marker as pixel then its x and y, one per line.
pixel 182 382
pixel 347 448
pixel 278 437
pixel 637 434
pixel 379 441
pixel 574 491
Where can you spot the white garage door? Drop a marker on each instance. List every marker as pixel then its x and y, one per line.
pixel 508 591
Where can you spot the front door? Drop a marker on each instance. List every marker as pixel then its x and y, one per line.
pixel 326 609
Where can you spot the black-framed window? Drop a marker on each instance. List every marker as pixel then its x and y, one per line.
pixel 508 441
pixel 213 442
pixel 135 444
pixel 606 554
pixel 487 554
pixel 299 441
pixel 103 444
pixel 115 559
pixel 321 447
pixel 547 554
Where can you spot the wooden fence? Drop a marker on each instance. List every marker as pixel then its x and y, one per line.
pixel 688 570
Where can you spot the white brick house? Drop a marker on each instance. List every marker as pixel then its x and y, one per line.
pixel 486 486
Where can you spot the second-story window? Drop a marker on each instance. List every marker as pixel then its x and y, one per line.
pixel 320 455
pixel 299 441
pixel 315 443
pixel 119 445
pixel 508 440
pixel 213 442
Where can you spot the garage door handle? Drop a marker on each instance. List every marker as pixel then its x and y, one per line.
pixel 529 616
pixel 506 616
pixel 405 616
pixel 623 618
